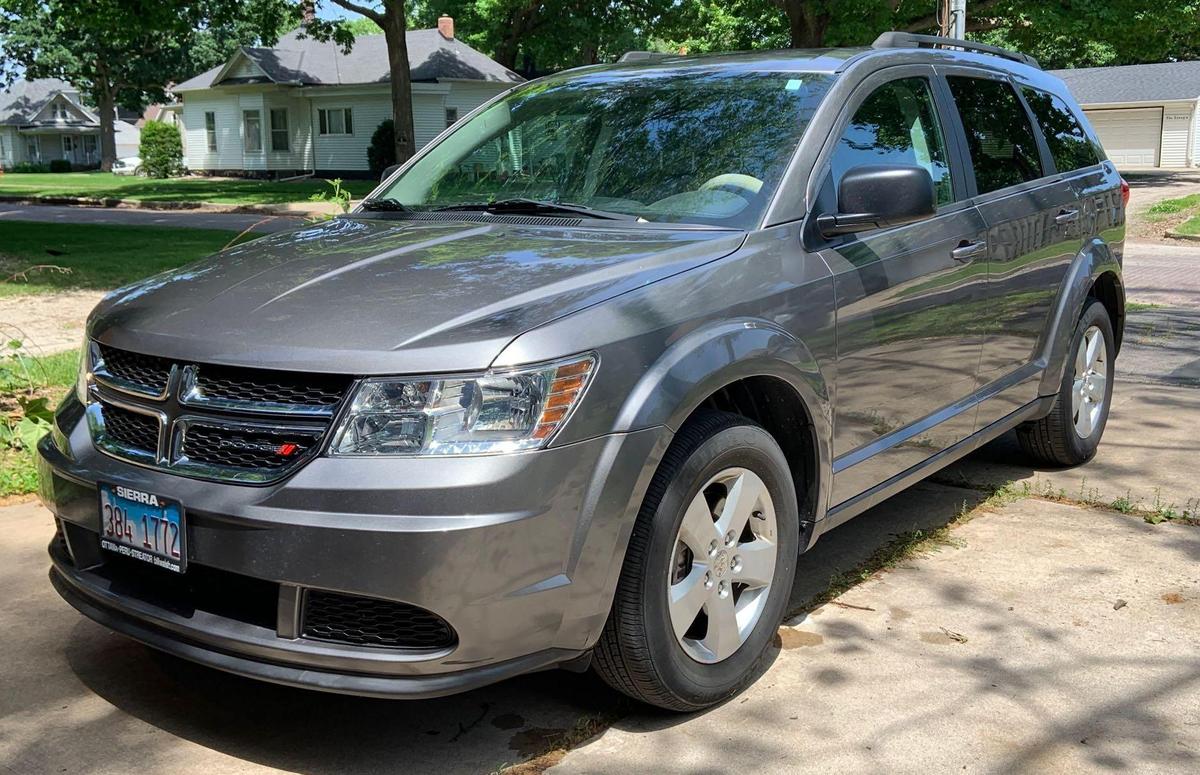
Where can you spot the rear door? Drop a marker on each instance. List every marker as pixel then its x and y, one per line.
pixel 907 345
pixel 1032 218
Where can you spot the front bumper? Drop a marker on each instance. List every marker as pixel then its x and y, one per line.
pixel 518 553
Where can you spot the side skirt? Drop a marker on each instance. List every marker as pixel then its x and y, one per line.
pixel 847 510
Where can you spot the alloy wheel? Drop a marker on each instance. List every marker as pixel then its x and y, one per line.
pixel 724 562
pixel 1089 389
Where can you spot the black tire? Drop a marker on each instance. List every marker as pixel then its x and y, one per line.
pixel 638 653
pixel 1053 440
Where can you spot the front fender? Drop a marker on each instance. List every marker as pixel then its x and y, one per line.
pixel 1093 260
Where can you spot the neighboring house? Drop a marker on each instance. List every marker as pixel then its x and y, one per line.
pixel 305 106
pixel 1146 115
pixel 45 119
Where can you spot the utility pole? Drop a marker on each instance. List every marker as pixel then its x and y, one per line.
pixel 958 19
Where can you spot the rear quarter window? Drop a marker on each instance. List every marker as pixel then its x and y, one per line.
pixel 1070 145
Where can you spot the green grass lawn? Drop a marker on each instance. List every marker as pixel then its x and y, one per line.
pixel 98 257
pixel 1190 227
pixel 1173 206
pixel 104 185
pixel 28 377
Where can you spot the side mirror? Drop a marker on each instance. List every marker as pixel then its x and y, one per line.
pixel 387 173
pixel 875 197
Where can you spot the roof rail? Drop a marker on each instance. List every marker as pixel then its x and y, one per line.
pixel 909 40
pixel 643 56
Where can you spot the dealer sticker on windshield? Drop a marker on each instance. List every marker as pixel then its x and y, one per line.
pixel 143 526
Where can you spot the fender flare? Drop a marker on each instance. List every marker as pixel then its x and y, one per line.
pixel 1094 259
pixel 707 359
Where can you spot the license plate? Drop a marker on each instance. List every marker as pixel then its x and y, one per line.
pixel 143 526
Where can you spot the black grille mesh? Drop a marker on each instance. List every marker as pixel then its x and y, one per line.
pixel 318 391
pixel 368 621
pixel 130 429
pixel 246 448
pixel 145 371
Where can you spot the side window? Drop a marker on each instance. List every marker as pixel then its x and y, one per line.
pixel 1003 149
pixel 1070 146
pixel 897 124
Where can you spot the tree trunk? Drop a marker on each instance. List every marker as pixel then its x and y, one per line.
pixel 520 20
pixel 106 104
pixel 394 26
pixel 805 22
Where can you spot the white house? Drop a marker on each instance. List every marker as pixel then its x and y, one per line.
pixel 1146 115
pixel 304 105
pixel 45 119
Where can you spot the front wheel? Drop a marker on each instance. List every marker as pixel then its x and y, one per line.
pixel 1071 433
pixel 708 570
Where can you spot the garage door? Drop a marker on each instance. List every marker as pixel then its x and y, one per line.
pixel 1131 137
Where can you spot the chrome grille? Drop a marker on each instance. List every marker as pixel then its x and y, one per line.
pixel 369 621
pixel 247 447
pixel 131 429
pixel 132 371
pixel 218 422
pixel 271 390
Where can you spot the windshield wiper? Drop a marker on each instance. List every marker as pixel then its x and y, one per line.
pixel 385 205
pixel 523 205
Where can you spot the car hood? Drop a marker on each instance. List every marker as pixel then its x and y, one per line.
pixel 389 296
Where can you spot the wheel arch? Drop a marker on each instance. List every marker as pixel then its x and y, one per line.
pixel 1095 273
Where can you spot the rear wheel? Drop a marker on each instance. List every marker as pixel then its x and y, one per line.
pixel 708 570
pixel 1071 433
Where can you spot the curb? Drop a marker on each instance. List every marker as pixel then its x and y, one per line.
pixel 1187 237
pixel 136 204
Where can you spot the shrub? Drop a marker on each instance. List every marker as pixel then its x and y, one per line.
pixel 161 149
pixel 381 153
pixel 60 165
pixel 29 166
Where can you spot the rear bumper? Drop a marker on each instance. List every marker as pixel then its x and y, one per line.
pixel 519 554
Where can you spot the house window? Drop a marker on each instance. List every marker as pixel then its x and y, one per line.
pixel 279 129
pixel 210 129
pixel 335 121
pixel 59 111
pixel 33 148
pixel 89 146
pixel 252 130
pixel 68 143
pixel 451 116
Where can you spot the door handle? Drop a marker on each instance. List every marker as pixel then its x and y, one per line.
pixel 968 251
pixel 1066 216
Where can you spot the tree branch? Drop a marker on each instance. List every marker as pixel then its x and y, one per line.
pixel 370 13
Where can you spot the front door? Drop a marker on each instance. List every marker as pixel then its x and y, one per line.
pixel 908 344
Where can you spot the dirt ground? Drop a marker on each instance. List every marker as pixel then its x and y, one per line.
pixel 47 323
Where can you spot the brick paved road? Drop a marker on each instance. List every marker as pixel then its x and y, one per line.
pixel 1157 273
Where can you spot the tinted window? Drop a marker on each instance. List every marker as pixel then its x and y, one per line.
pixel 897 124
pixel 1070 146
pixel 1003 149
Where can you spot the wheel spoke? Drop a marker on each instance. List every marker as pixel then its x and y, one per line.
pixel 1076 396
pixel 1094 344
pixel 687 598
pixel 698 531
pixel 757 567
pixel 1083 424
pixel 723 636
pixel 1099 384
pixel 1081 359
pixel 740 503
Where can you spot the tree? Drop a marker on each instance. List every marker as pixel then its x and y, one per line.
pixel 161 149
pixel 381 153
pixel 115 51
pixel 389 16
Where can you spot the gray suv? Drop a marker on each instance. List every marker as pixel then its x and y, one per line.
pixel 580 381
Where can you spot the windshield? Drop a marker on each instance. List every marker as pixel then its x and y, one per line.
pixel 696 145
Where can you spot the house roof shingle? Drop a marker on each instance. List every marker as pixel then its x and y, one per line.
pixel 25 98
pixel 311 62
pixel 1134 83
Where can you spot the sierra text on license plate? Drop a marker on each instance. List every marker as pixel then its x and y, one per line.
pixel 143 526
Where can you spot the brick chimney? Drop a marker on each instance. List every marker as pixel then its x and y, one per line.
pixel 446 26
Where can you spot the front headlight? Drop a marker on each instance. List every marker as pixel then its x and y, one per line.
pixel 503 411
pixel 85 371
